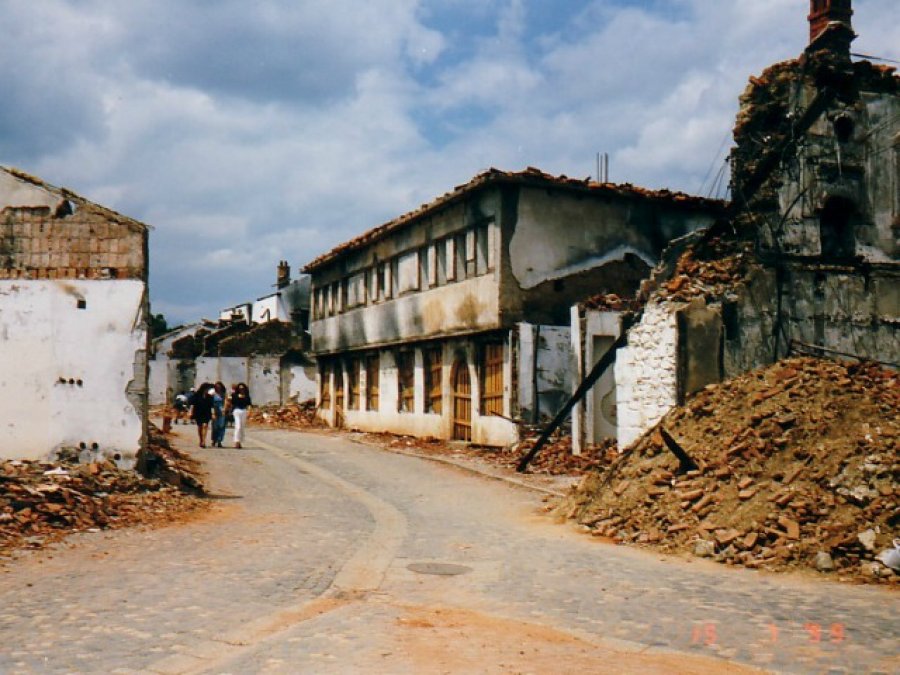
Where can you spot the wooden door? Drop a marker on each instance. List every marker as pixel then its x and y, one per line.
pixel 462 402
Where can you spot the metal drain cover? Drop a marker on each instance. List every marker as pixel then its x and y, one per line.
pixel 440 569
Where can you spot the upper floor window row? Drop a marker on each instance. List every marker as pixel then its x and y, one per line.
pixel 461 256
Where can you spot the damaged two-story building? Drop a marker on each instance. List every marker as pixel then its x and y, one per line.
pixel 73 324
pixel 453 321
pixel 809 259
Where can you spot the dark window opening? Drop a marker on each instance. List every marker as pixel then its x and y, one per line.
pixel 372 388
pixel 433 368
pixel 82 303
pixel 843 128
pixel 836 230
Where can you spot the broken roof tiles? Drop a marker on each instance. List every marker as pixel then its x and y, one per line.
pixel 530 176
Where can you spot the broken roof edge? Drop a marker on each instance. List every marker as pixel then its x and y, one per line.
pixel 67 194
pixel 493 176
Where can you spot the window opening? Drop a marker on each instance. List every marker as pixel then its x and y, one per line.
pixel 326 386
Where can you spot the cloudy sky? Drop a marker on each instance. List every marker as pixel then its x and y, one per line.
pixel 250 131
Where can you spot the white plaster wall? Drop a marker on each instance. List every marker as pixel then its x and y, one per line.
pixel 45 337
pixel 207 370
pixel 646 373
pixel 265 309
pixel 302 385
pixel 264 379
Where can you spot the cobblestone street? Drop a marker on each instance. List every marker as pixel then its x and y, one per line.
pixel 324 555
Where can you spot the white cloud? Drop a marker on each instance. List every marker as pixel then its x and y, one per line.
pixel 246 133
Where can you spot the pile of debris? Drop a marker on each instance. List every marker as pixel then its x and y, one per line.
pixel 554 459
pixel 611 302
pixel 708 269
pixel 793 465
pixel 292 416
pixel 43 501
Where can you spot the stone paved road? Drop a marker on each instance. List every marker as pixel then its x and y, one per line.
pixel 303 566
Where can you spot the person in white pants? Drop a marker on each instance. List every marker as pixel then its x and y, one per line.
pixel 240 404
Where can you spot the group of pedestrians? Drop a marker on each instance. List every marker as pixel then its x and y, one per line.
pixel 211 406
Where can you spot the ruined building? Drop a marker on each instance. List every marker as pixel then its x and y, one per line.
pixel 73 324
pixel 263 343
pixel 809 259
pixel 453 321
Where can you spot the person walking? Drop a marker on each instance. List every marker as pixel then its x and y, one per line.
pixel 240 404
pixel 218 422
pixel 202 410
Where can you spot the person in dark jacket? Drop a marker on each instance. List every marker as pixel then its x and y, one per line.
pixel 240 405
pixel 202 410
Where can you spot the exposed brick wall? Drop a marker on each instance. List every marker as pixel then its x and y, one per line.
pixel 92 243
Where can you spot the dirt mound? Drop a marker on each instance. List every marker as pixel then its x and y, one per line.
pixel 797 467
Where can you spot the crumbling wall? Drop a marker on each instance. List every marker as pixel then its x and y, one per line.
pixel 646 372
pixel 73 323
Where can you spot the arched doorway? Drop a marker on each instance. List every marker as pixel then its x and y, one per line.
pixel 462 401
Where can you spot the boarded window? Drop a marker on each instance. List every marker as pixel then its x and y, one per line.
pixel 459 246
pixel 406 379
pixel 440 262
pixel 492 379
pixel 372 284
pixel 372 388
pixel 450 245
pixel 356 290
pixel 482 249
pixel 325 378
pixel 408 272
pixel 353 384
pixel 433 369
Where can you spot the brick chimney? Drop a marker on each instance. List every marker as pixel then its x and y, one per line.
pixel 283 276
pixel 824 12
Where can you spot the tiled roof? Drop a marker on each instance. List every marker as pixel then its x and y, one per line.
pixel 529 176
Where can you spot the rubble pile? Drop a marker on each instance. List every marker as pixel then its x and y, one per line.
pixel 611 302
pixel 295 415
pixel 708 270
pixel 270 337
pixel 41 501
pixel 797 466
pixel 171 466
pixel 554 459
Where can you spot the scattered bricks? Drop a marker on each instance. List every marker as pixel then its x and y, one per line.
pixel 792 475
pixel 791 527
pixel 691 495
pixel 750 540
pixel 680 527
pixel 725 537
pixel 621 487
pixel 783 499
pixel 707 500
pixel 722 473
pixel 744 483
pixel 744 495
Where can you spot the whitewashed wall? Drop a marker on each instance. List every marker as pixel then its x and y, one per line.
pixel 302 386
pixel 45 339
pixel 646 373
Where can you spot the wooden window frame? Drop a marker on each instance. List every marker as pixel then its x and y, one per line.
pixel 433 369
pixel 373 390
pixel 325 389
pixel 353 393
pixel 492 384
pixel 406 382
